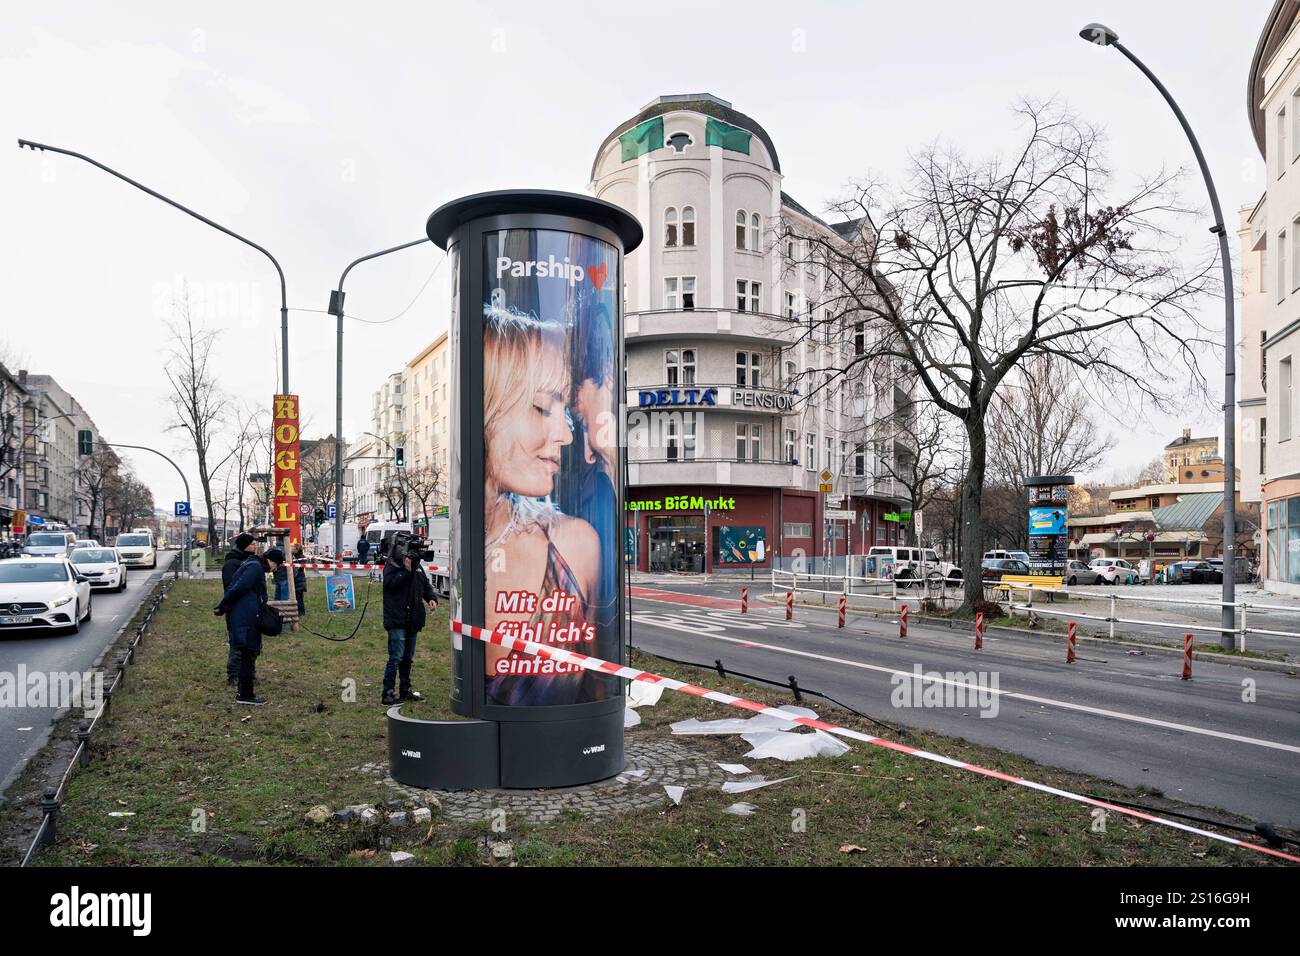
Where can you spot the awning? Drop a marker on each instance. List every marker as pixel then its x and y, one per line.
pixel 1190 512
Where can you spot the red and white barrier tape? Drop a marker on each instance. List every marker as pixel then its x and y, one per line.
pixel 630 673
pixel 356 567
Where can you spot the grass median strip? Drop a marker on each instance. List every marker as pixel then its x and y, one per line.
pixel 212 783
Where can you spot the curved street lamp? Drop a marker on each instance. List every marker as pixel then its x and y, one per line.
pixel 1099 34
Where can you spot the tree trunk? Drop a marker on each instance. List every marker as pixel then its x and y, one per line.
pixel 972 514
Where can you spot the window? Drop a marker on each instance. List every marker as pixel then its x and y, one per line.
pixel 688 366
pixel 798 529
pixel 810 451
pixel 1281 266
pixel 742 297
pixel 678 142
pixel 672 367
pixel 679 293
pixel 829 461
pixel 755 442
pixel 679 434
pixel 688 225
pixel 1280 153
pixel 741 219
pixel 670 227
pixel 844 458
pixel 688 438
pixel 742 440
pixel 860 460
pixel 789 446
pixel 1284 400
pixel 747 369
pixel 755 295
pixel 859 338
pixel 1263 444
pixel 791 375
pixel 790 307
pixel 755 227
pixel 688 293
pixel 671 286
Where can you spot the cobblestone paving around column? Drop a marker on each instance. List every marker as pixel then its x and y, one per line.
pixel 664 762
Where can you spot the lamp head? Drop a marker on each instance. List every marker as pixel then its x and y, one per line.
pixel 1099 34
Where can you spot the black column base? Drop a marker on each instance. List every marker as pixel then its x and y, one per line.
pixel 443 754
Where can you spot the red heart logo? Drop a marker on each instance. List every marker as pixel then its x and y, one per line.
pixel 597 275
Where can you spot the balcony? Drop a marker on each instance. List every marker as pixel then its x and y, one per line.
pixel 758 328
pixel 712 471
pixel 872 487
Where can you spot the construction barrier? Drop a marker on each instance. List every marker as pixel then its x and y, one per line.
pixel 744 600
pixel 789 605
pixel 979 630
pixel 902 620
pixel 355 567
pixel 556 653
pixel 1187 657
pixel 1071 633
pixel 841 614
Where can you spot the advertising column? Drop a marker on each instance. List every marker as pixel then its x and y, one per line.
pixel 1048 510
pixel 536 491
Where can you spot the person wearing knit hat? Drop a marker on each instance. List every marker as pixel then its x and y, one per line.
pixel 242 604
pixel 237 555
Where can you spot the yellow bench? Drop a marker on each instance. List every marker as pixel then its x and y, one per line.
pixel 1052 583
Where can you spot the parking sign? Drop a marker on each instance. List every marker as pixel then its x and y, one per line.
pixel 182 509
pixel 331 512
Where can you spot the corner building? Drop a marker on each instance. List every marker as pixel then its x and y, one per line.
pixel 731 419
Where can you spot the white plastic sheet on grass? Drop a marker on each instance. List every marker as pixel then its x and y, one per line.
pixel 741 809
pixel 744 786
pixel 734 767
pixel 674 793
pixel 630 718
pixel 782 745
pixel 641 694
pixel 741 725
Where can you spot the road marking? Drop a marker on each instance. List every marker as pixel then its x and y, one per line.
pixel 1045 701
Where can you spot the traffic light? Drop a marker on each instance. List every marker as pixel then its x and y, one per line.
pixel 399 457
pixel 85 442
pixel 320 516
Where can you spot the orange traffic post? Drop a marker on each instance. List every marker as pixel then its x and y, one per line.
pixel 744 600
pixel 1187 657
pixel 1071 631
pixel 841 615
pixel 902 620
pixel 979 630
pixel 789 605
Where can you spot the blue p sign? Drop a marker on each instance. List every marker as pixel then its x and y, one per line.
pixel 331 512
pixel 182 509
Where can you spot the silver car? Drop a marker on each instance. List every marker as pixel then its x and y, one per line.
pixel 1079 573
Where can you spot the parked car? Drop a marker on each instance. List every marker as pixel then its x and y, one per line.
pixel 1076 572
pixel 137 549
pixel 49 544
pixel 993 569
pixel 85 543
pixel 43 593
pixel 1203 572
pixel 103 566
pixel 913 565
pixel 1114 570
pixel 998 554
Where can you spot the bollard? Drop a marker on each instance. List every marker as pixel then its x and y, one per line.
pixel 50 807
pixel 789 605
pixel 841 614
pixel 794 689
pixel 1187 657
pixel 83 738
pixel 1071 630
pixel 1112 617
pixel 902 621
pixel 979 630
pixel 744 600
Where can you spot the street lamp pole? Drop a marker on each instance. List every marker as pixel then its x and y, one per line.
pixel 189 518
pixel 336 310
pixel 284 296
pixel 1102 35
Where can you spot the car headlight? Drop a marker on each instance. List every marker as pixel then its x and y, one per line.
pixel 59 602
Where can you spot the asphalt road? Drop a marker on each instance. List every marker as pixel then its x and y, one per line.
pixel 1113 715
pixel 24 729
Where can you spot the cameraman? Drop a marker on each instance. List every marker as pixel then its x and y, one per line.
pixel 406 592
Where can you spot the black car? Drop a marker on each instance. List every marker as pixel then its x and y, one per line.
pixel 1203 572
pixel 992 569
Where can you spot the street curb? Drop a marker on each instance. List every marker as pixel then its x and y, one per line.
pixel 1253 663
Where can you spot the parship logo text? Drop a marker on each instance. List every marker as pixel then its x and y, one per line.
pixel 549 267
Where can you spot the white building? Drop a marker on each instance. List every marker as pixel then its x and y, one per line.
pixel 724 405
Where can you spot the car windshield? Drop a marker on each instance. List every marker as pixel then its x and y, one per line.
pixel 32 572
pixel 94 556
pixel 47 540
pixel 133 541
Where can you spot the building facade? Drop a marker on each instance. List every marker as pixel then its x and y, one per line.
pixel 1192 459
pixel 1269 231
pixel 52 488
pixel 427 402
pixel 732 420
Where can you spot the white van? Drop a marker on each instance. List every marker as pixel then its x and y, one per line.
pixel 137 549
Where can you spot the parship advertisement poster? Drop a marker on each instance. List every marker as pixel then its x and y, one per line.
pixel 552 534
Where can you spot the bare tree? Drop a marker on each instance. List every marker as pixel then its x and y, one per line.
pixel 977 267
pixel 198 404
pixel 129 498
pixel 95 473
pixel 424 484
pixel 928 462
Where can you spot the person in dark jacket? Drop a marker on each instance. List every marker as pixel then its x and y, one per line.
pixel 406 592
pixel 242 550
pixel 242 604
pixel 300 581
pixel 363 548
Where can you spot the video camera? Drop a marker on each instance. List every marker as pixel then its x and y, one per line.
pixel 407 543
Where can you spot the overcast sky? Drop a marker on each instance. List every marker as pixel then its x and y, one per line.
pixel 326 131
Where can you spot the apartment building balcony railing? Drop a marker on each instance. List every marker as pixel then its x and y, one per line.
pixel 756 327
pixel 712 471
